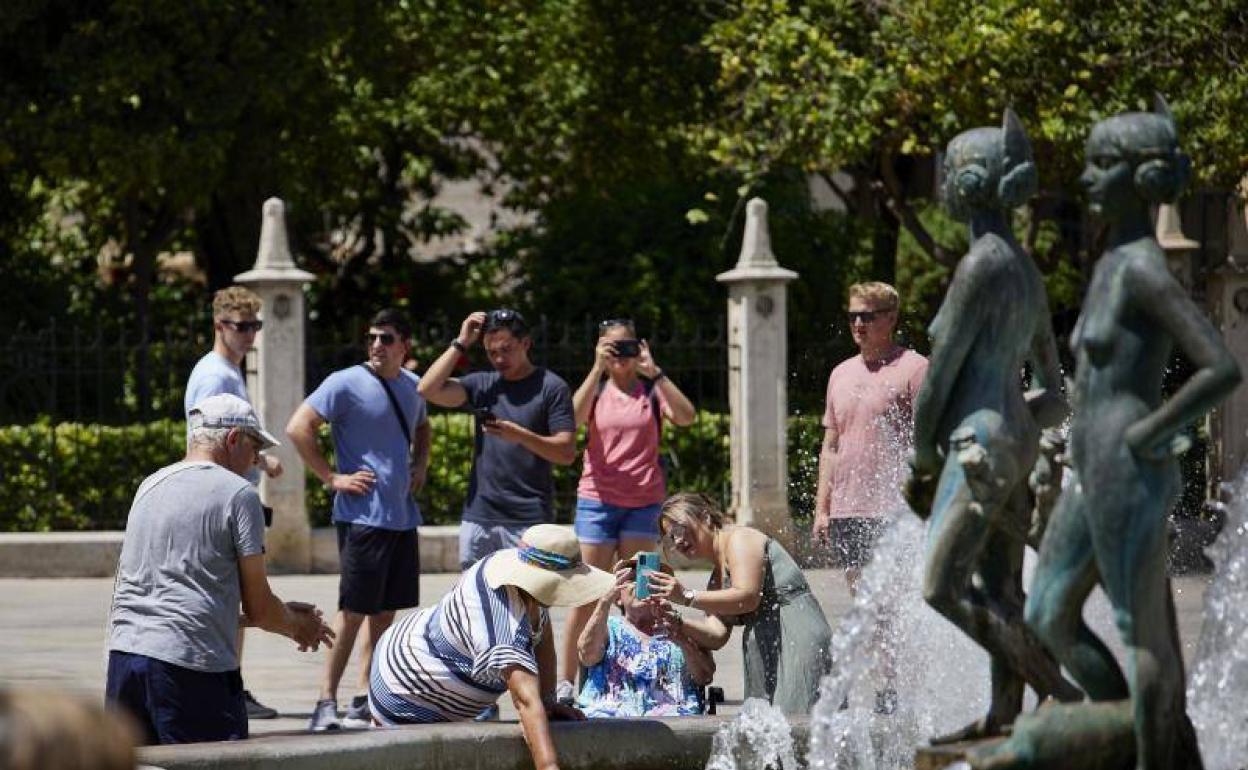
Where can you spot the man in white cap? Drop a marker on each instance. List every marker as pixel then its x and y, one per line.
pixel 194 547
pixel 491 633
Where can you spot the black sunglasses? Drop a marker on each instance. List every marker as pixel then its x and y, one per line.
pixel 243 326
pixel 613 322
pixel 386 338
pixel 866 316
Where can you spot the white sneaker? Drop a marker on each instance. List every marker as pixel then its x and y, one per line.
pixel 565 693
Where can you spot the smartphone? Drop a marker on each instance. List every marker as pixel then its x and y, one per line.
pixel 647 562
pixel 626 348
pixel 484 414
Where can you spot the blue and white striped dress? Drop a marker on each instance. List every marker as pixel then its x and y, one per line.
pixel 444 663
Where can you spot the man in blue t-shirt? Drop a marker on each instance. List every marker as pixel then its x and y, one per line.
pixel 234 327
pixel 380 428
pixel 524 424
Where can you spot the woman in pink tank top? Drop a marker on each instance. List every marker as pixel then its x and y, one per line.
pixel 624 399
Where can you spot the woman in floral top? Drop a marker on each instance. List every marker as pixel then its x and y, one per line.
pixel 641 664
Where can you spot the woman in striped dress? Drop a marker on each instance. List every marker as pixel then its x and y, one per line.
pixel 491 633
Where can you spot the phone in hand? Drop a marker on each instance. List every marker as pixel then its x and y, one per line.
pixel 626 348
pixel 484 414
pixel 647 562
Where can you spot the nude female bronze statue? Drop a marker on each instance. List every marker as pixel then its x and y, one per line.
pixel 1109 526
pixel 977 433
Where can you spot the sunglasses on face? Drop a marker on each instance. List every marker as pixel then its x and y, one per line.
pixel 385 338
pixel 866 316
pixel 243 326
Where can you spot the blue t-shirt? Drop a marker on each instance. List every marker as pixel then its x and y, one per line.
pixel 367 435
pixel 213 375
pixel 510 484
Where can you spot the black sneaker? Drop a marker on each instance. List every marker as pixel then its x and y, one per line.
pixel 358 717
pixel 256 709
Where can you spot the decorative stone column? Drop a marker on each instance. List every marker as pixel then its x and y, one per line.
pixel 758 381
pixel 276 384
pixel 1178 247
pixel 1228 305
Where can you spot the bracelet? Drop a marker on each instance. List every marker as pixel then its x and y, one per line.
pixel 459 346
pixel 660 374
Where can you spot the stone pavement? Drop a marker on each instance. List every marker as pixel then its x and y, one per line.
pixel 52 635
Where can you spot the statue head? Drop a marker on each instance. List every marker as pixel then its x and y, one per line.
pixel 988 168
pixel 1133 159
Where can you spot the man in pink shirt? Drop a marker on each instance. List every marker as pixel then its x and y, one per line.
pixel 868 432
pixel 868 429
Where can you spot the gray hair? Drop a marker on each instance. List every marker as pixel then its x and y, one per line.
pixel 212 438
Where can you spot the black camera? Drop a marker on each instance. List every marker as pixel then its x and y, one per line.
pixel 626 348
pixel 268 514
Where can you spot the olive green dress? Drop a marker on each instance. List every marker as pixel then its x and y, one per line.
pixel 787 643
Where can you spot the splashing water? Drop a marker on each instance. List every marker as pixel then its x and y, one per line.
pixel 1217 689
pixel 940 676
pixel 758 739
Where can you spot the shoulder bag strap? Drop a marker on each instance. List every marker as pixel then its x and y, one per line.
pixel 394 402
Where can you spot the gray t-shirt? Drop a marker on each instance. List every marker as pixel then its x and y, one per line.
pixel 510 484
pixel 177 592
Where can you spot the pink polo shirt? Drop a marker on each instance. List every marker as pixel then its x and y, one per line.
pixel 621 462
pixel 871 409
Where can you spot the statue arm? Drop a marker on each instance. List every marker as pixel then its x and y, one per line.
pixel 1157 295
pixel 1046 398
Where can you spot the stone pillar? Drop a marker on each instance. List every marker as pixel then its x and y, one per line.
pixel 1178 247
pixel 758 381
pixel 276 385
pixel 1228 304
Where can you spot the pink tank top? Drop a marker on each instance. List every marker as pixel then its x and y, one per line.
pixel 621 461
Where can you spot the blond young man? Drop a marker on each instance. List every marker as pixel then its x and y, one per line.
pixel 235 323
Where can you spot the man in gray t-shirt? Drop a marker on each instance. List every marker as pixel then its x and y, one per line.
pixel 194 548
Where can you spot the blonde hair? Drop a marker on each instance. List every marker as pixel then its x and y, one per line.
pixel 235 299
pixel 879 294
pixel 692 505
pixel 53 731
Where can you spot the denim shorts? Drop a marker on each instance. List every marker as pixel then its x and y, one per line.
pixel 599 522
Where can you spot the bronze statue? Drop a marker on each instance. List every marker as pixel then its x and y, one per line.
pixel 977 435
pixel 1109 526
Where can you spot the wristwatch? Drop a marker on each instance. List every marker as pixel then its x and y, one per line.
pixel 689 595
pixel 459 346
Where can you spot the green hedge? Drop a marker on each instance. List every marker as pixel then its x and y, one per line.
pixel 82 477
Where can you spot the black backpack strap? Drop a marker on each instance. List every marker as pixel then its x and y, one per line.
pixel 394 402
pixel 651 389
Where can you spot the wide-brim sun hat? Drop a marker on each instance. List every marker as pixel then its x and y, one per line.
pixel 547 565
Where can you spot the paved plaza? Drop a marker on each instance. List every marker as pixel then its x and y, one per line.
pixel 54 630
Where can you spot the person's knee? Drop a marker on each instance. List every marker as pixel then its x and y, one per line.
pixel 350 619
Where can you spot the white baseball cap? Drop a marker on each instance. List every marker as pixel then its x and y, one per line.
pixel 225 410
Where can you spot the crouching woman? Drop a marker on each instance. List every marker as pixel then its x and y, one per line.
pixel 641 664
pixel 490 634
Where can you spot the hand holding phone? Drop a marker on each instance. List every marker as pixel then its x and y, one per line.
pixel 647 562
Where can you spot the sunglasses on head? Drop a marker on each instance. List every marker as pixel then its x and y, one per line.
pixel 504 317
pixel 866 316
pixel 243 326
pixel 613 322
pixel 385 338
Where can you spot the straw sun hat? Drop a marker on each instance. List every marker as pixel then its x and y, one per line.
pixel 547 564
